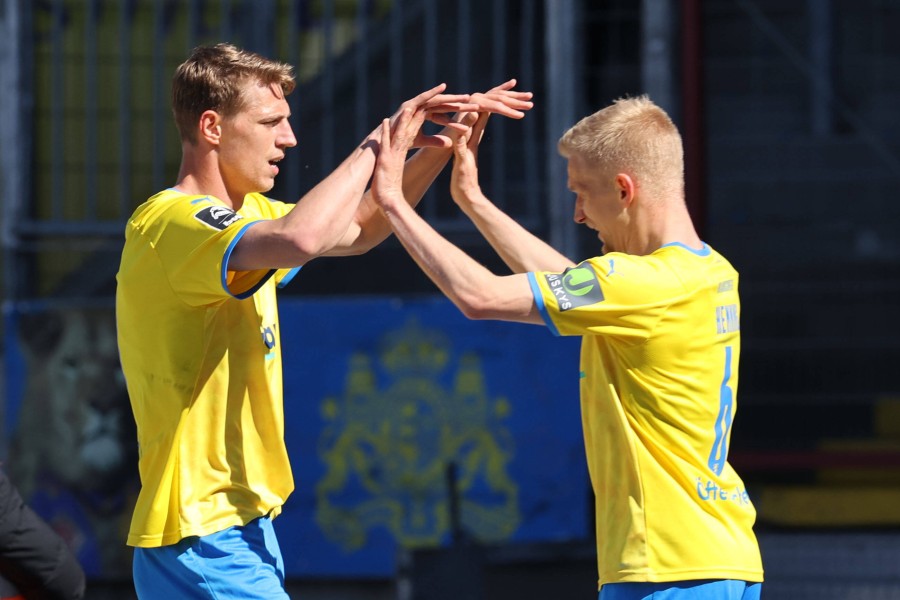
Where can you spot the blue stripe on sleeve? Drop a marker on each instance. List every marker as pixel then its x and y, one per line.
pixel 227 257
pixel 539 300
pixel 287 278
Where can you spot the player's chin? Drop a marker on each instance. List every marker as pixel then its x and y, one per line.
pixel 266 183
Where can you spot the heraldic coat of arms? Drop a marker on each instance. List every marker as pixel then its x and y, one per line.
pixel 406 415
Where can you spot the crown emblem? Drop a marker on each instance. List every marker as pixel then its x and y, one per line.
pixel 414 351
pixel 393 434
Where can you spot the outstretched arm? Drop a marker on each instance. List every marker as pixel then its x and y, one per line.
pixel 321 218
pixel 369 227
pixel 477 292
pixel 521 250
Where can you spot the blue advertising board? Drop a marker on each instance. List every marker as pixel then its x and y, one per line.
pixel 384 395
pixel 384 399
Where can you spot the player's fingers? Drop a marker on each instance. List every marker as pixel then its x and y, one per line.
pixel 506 85
pixel 442 105
pixel 478 131
pixel 503 103
pixel 386 134
pixel 460 147
pixel 512 96
pixel 407 128
pixel 434 100
pixel 447 121
pixel 436 141
pixel 466 118
pixel 427 95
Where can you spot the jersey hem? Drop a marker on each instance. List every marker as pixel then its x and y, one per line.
pixel 167 539
pixel 754 576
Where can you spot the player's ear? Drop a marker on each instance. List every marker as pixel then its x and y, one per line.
pixel 627 187
pixel 210 127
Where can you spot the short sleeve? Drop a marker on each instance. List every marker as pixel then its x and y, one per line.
pixel 263 208
pixel 192 238
pixel 616 294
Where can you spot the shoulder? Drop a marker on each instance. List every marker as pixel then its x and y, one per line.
pixel 170 204
pixel 677 253
pixel 642 279
pixel 172 207
pixel 258 206
pixel 690 264
pixel 619 268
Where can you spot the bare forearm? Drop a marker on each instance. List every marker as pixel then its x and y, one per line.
pixel 521 250
pixel 477 292
pixel 370 227
pixel 329 207
pixel 317 222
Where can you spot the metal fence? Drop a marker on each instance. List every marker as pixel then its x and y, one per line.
pixel 87 83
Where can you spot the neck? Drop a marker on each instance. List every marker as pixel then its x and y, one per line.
pixel 661 225
pixel 199 175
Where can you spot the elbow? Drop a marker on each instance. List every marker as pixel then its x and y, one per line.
pixel 354 242
pixel 361 245
pixel 475 308
pixel 311 237
pixel 348 247
pixel 312 242
pixel 308 247
pixel 476 315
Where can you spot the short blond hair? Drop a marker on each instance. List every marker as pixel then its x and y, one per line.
pixel 213 77
pixel 634 136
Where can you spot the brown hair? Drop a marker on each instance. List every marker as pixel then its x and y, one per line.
pixel 213 77
pixel 632 135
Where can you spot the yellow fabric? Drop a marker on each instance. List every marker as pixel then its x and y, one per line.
pixel 660 350
pixel 203 369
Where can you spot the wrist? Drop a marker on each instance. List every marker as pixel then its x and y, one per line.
pixel 434 153
pixel 388 199
pixel 471 195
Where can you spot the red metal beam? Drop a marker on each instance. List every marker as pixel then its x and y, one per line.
pixel 693 129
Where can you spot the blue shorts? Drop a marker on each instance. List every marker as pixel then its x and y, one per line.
pixel 707 589
pixel 238 562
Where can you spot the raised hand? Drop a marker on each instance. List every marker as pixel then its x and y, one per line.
pixel 397 135
pixel 464 179
pixel 503 100
pixel 434 106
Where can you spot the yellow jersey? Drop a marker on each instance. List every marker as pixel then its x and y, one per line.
pixel 200 351
pixel 659 374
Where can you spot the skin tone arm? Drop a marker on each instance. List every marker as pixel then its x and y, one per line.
pixel 477 292
pixel 519 248
pixel 369 227
pixel 320 220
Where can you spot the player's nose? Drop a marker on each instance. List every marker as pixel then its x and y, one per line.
pixel 286 137
pixel 578 214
